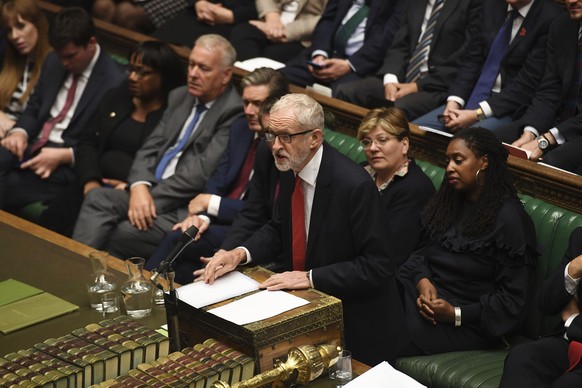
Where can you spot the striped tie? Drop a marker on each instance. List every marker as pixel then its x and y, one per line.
pixel 421 51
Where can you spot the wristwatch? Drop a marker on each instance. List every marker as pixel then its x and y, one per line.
pixel 543 143
pixel 480 114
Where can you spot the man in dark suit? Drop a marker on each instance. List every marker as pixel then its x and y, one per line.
pixel 329 228
pixel 546 362
pixel 501 68
pixel 214 210
pixel 173 164
pixel 37 154
pixel 421 64
pixel 356 55
pixel 552 125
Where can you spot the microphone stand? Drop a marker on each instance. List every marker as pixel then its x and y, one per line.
pixel 171 303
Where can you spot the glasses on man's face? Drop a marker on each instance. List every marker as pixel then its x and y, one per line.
pixel 379 141
pixel 140 72
pixel 283 137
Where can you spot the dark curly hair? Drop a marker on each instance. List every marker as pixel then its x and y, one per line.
pixel 445 206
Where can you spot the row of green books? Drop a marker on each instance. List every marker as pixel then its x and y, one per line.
pixel 195 367
pixel 87 356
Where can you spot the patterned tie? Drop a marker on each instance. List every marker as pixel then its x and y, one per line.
pixel 482 89
pixel 245 172
pixel 420 53
pixel 50 124
pixel 172 152
pixel 298 226
pixel 345 31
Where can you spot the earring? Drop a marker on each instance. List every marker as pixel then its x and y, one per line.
pixel 477 175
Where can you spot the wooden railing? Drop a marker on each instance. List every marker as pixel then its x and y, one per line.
pixel 551 185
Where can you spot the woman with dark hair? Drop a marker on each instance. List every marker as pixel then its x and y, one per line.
pixel 125 117
pixel 25 48
pixel 470 284
pixel 405 189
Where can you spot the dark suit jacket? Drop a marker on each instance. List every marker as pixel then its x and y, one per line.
pixel 383 20
pixel 523 63
pixel 225 176
pixel 115 107
pixel 557 81
pixel 260 202
pixel 347 252
pixel 201 153
pixel 106 75
pixel 457 23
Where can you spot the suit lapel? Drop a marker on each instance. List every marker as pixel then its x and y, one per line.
pixel 93 85
pixel 448 7
pixel 528 23
pixel 417 17
pixel 568 52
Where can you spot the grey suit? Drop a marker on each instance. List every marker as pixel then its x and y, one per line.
pixel 103 222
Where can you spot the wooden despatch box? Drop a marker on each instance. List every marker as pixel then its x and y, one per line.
pixel 316 323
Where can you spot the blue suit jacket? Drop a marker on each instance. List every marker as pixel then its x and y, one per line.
pixel 383 20
pixel 106 75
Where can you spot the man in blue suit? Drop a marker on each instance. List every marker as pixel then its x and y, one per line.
pixel 37 154
pixel 349 42
pixel 214 210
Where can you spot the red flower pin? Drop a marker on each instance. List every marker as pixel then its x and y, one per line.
pixel 522 32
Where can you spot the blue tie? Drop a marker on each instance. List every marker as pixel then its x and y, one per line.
pixel 482 89
pixel 172 152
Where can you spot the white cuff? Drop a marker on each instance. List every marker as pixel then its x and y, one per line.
pixel 351 66
pixel 249 258
pixel 148 184
pixel 204 218
pixel 458 100
pixel 213 205
pixel 487 111
pixel 21 130
pixel 570 283
pixel 390 79
pixel 309 276
pixel 557 135
pixel 72 156
pixel 319 52
pixel 529 128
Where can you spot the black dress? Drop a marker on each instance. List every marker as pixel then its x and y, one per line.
pixel 489 277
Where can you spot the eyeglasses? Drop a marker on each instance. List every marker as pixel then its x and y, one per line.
pixel 139 71
pixel 283 137
pixel 379 141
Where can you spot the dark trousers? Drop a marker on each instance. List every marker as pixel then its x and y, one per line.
pixel 250 42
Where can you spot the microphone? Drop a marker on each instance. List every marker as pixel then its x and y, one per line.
pixel 186 239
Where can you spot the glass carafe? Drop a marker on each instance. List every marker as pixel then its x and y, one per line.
pixel 101 280
pixel 137 290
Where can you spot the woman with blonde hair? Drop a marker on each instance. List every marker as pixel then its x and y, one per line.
pixel 26 47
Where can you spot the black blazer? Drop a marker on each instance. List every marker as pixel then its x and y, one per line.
pixel 347 252
pixel 522 66
pixel 115 107
pixel 457 23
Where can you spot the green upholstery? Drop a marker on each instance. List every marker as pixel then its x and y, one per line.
pixel 482 369
pixel 32 211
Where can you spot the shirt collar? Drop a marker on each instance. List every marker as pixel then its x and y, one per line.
pixel 309 172
pixel 89 69
pixel 523 11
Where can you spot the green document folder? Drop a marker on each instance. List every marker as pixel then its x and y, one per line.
pixel 12 290
pixel 35 309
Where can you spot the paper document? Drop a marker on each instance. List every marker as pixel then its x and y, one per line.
pixel 233 284
pixel 383 375
pixel 433 130
pixel 254 63
pixel 259 306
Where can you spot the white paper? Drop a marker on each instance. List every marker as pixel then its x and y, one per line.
pixel 383 375
pixel 254 63
pixel 433 130
pixel 258 306
pixel 199 294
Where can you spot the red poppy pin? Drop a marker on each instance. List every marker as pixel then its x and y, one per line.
pixel 522 32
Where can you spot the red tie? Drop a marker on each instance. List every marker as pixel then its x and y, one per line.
pixel 245 172
pixel 574 354
pixel 298 224
pixel 50 124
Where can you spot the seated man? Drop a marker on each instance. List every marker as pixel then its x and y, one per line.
pixel 421 64
pixel 552 124
pixel 501 69
pixel 553 361
pixel 36 156
pixel 173 164
pixel 348 42
pixel 330 230
pixel 214 210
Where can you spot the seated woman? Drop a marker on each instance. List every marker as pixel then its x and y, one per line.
pixel 405 189
pixel 125 117
pixel 471 282
pixel 554 360
pixel 282 32
pixel 25 48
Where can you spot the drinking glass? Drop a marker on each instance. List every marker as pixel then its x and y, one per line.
pixel 341 372
pixel 101 280
pixel 137 291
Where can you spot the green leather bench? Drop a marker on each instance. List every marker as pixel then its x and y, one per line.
pixel 483 368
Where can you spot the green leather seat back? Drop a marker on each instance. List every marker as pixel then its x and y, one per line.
pixel 347 145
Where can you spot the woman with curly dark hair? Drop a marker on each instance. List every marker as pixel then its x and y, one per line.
pixel 470 284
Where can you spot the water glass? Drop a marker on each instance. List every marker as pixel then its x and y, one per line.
pixel 341 372
pixel 137 291
pixel 109 303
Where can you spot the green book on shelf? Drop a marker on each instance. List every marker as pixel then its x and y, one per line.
pixel 35 309
pixel 12 290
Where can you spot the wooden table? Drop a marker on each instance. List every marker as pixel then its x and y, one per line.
pixel 60 266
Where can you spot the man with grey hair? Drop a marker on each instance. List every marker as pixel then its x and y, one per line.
pixel 173 164
pixel 329 231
